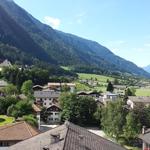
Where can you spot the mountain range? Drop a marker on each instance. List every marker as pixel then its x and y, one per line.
pixel 147 68
pixel 24 39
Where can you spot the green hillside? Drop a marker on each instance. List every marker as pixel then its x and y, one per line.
pixel 39 42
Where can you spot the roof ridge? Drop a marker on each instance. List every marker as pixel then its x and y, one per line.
pixel 67 124
pixel 95 134
pixel 27 125
pixel 10 125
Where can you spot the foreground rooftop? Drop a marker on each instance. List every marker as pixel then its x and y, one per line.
pixel 17 132
pixel 67 137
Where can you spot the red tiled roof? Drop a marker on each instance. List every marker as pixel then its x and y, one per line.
pixel 17 132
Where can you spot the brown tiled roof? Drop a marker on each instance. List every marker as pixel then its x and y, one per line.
pixel 17 132
pixel 36 108
pixel 72 137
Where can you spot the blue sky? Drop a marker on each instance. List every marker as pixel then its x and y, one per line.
pixel 123 26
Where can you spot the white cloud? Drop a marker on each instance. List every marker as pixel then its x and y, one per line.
pixel 53 22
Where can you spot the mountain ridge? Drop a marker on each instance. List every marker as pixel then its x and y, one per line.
pixel 61 48
pixel 147 68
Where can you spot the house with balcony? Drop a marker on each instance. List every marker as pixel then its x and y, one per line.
pixel 53 114
pixel 46 98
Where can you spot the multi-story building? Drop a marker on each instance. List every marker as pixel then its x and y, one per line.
pixel 46 98
pixel 53 114
pixel 49 100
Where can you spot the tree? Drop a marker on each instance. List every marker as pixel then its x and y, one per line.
pixel 5 102
pixel 98 115
pixel 110 87
pixel 79 110
pixel 20 109
pixel 31 119
pixel 130 92
pixel 10 89
pixel 116 81
pixel 65 88
pixel 27 88
pixel 132 127
pixel 113 118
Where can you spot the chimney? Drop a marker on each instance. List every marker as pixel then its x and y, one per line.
pixel 45 148
pixel 143 130
pixel 81 137
pixel 55 138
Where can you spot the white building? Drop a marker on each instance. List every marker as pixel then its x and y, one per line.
pixel 138 100
pixel 108 97
pixel 53 114
pixel 46 97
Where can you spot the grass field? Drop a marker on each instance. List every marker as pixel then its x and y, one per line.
pixel 99 78
pixel 6 120
pixel 143 92
pixel 102 82
pixel 65 68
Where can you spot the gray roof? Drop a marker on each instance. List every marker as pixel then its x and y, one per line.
pixel 72 137
pixel 46 94
pixel 145 137
pixel 139 99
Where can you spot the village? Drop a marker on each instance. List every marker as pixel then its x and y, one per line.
pixel 46 112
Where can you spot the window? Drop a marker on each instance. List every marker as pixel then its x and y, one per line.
pixel 44 103
pixel 3 144
pixel 56 113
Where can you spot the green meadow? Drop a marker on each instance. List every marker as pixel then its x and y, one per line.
pixel 4 120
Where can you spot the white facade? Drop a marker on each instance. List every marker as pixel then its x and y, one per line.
pixel 54 117
pixel 53 114
pixel 110 96
pixel 46 98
